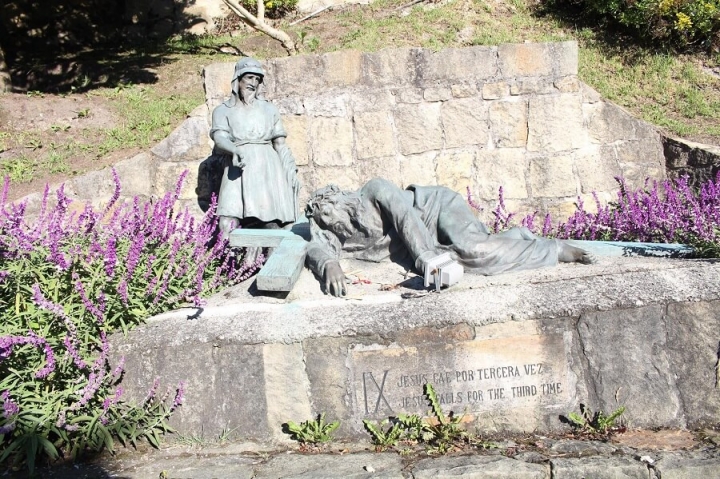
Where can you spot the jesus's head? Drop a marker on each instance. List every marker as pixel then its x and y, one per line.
pixel 334 210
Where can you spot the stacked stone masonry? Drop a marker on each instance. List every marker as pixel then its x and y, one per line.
pixel 482 117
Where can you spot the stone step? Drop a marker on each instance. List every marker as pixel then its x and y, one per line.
pixel 548 459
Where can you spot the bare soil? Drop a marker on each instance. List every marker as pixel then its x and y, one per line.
pixel 31 124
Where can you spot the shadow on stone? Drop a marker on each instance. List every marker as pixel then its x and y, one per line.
pixel 210 173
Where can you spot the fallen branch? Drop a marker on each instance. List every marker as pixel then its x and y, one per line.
pixel 258 23
pixel 414 2
pixel 307 17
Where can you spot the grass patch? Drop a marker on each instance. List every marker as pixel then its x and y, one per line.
pixel 19 168
pixel 452 24
pixel 147 116
pixel 670 91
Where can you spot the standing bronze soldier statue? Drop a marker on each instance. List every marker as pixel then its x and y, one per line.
pixel 259 187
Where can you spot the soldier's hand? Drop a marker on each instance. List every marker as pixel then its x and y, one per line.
pixel 237 160
pixel 335 280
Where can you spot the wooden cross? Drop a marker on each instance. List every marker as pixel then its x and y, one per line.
pixel 283 267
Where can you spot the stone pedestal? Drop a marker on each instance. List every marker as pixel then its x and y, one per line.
pixel 512 352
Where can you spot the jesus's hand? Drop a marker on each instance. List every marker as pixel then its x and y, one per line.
pixel 335 280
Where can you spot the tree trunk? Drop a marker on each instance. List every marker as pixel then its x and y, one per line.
pixel 5 85
pixel 258 23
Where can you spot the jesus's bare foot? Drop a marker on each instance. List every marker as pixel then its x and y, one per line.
pixel 573 254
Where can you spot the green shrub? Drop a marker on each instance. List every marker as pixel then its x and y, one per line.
pixel 67 281
pixel 678 23
pixel 273 8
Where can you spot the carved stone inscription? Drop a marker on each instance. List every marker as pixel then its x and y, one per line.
pixel 517 372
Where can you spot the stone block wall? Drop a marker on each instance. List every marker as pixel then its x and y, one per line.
pixel 481 117
pixel 697 161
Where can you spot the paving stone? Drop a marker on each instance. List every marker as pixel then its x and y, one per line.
pixel 494 91
pixel 525 59
pixel 136 175
pixel 330 104
pixel 457 64
pixel 392 66
pixel 608 122
pixel 693 352
pixel 437 94
pixel 192 468
pixel 550 114
pixel 351 466
pixel 663 440
pixel 599 468
pixel 553 176
pixel 454 170
pixel 532 86
pixel 418 169
pixel 578 448
pixel 506 167
pixel 597 168
pixel 343 68
pixel 374 135
pixel 690 468
pixel 478 467
pixel 297 139
pixel 168 173
pixel 509 123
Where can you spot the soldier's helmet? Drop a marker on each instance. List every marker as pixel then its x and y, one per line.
pixel 248 65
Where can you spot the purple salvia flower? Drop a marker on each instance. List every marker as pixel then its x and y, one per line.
pixel 10 407
pixel 109 401
pixel 49 360
pixel 117 372
pixel 54 308
pixel 122 289
pixel 470 201
pixel 5 189
pixel 116 192
pixel 152 391
pixel 134 253
pixel 70 347
pixel 7 428
pixel 179 396
pixel 89 306
pixel 110 257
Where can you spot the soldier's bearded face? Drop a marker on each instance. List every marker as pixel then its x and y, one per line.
pixel 248 85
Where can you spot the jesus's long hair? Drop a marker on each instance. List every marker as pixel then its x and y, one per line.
pixel 333 195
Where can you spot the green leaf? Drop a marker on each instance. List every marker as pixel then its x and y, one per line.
pixel 48 447
pixel 107 438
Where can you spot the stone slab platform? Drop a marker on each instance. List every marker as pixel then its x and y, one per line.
pixel 514 352
pixel 537 458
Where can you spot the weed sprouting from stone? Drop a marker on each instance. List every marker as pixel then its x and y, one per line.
pixel 440 433
pixel 314 432
pixel 594 423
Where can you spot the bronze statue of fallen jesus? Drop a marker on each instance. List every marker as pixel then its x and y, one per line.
pixel 381 221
